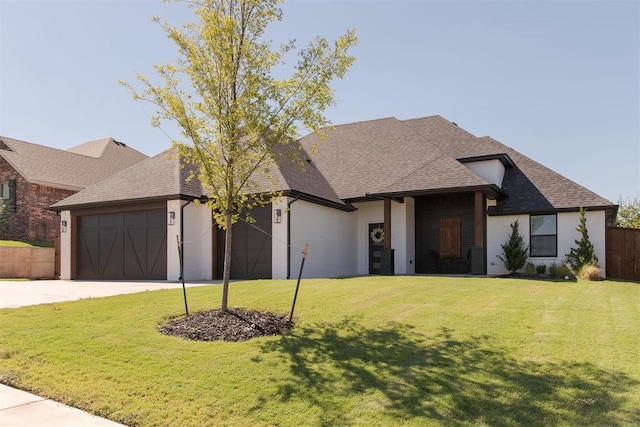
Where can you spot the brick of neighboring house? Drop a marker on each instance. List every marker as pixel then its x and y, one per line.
pixel 31 219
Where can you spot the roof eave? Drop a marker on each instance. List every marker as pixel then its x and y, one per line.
pixel 347 207
pixel 59 208
pixel 492 212
pixel 491 191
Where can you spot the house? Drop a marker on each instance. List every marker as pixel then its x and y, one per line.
pixel 385 196
pixel 33 177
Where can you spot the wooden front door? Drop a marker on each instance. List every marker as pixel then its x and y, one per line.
pixel 376 244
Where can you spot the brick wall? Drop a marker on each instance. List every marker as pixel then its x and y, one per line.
pixel 32 220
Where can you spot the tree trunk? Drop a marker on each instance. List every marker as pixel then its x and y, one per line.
pixel 227 261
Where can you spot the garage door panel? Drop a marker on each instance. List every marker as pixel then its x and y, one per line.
pixel 111 261
pixel 88 260
pixel 251 249
pixel 122 246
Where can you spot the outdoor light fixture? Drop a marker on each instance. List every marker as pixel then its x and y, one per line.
pixel 172 218
pixel 277 216
pixel 63 226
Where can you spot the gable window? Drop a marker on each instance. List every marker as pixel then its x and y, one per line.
pixel 544 235
pixel 450 238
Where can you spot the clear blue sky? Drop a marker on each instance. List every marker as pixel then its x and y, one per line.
pixel 556 80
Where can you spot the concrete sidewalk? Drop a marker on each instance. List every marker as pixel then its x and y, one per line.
pixel 20 293
pixel 19 408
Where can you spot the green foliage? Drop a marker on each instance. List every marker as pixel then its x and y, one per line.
pixel 529 269
pixel 514 250
pixel 590 272
pixel 553 268
pixel 541 268
pixel 355 359
pixel 629 213
pixel 5 219
pixel 584 253
pixel 235 117
pixel 564 272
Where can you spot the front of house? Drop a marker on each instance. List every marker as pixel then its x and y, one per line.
pixel 385 196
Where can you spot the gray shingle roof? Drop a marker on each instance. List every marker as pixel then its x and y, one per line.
pixel 384 156
pixel 393 156
pixel 366 160
pixel 74 169
pixel 158 177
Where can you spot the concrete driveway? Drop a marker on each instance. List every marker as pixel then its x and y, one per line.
pixel 20 293
pixel 18 408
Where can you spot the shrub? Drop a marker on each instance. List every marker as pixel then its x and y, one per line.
pixel 564 271
pixel 529 269
pixel 541 268
pixel 5 219
pixel 514 250
pixel 590 272
pixel 585 253
pixel 553 268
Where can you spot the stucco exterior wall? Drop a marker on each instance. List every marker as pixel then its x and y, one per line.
pixel 65 247
pixel 197 241
pixel 402 233
pixel 490 170
pixel 331 235
pixel 498 230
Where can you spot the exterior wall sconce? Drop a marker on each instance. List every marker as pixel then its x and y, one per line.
pixel 172 218
pixel 277 216
pixel 63 226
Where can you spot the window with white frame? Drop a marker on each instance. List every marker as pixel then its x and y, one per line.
pixel 543 236
pixel 5 194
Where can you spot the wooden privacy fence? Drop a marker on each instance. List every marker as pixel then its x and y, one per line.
pixel 623 253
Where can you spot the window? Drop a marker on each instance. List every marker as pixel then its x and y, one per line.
pixel 450 238
pixel 544 236
pixel 4 191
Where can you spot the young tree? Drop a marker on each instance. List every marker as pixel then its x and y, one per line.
pixel 585 253
pixel 629 213
pixel 231 110
pixel 514 250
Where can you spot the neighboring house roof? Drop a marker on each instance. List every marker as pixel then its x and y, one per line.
pixel 73 169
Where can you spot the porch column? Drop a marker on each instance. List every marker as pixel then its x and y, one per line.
pixel 387 223
pixel 478 220
pixel 478 264
pixel 387 261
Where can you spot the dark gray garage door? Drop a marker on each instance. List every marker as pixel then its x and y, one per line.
pixel 122 246
pixel 251 254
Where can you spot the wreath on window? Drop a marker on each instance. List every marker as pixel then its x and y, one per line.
pixel 377 235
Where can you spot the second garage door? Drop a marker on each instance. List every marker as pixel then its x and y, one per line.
pixel 122 246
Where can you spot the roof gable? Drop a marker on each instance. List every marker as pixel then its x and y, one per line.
pixel 159 177
pixel 69 170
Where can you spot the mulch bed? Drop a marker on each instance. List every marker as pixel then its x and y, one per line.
pixel 236 324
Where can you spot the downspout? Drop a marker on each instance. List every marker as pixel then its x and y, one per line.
pixel 182 237
pixel 289 236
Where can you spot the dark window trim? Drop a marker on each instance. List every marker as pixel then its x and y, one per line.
pixel 555 236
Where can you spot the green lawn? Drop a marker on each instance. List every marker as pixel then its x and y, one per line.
pixel 21 244
pixel 371 351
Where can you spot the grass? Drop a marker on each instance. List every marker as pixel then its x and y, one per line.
pixel 365 351
pixel 22 244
